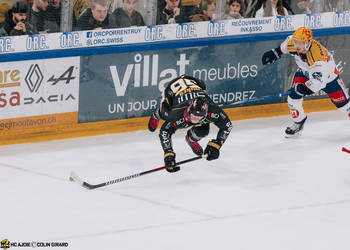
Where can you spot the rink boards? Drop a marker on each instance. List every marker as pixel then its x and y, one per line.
pixel 51 94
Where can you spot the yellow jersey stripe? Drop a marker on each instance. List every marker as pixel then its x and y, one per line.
pixel 214 145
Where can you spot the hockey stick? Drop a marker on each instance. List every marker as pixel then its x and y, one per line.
pixel 77 179
pixel 256 99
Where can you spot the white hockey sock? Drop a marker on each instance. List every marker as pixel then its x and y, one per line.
pixel 296 109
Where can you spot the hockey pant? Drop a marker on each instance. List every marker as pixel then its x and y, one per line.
pixel 301 86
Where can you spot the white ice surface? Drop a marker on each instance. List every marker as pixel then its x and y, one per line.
pixel 264 192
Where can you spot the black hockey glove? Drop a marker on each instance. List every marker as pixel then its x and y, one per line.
pixel 212 150
pixel 271 56
pixel 299 90
pixel 169 160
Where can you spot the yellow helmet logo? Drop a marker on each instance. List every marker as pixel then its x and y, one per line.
pixel 302 34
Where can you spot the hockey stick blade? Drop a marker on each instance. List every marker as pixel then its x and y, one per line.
pixel 74 177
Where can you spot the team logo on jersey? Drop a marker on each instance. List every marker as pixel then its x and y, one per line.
pixel 317 75
pixel 179 122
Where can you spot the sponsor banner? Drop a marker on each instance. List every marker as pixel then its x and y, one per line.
pixel 169 32
pixel 39 87
pixel 126 85
pixel 9 125
pixel 341 19
pixel 113 36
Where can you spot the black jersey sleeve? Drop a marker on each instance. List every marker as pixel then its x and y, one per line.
pixel 221 120
pixel 174 120
pixel 165 134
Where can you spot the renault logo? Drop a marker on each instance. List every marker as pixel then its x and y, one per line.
pixel 34 78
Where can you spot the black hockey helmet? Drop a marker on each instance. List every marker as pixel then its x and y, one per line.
pixel 198 109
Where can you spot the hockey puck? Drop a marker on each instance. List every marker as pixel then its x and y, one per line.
pixel 70 178
pixel 345 150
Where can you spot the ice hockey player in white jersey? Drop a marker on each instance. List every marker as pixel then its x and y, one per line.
pixel 317 71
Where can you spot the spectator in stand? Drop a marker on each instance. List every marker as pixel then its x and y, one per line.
pixel 346 5
pixel 96 17
pixel 319 6
pixel 127 15
pixel 160 6
pixel 287 4
pixel 340 5
pixel 169 13
pixel 272 8
pixel 207 12
pixel 309 6
pixel 246 4
pixel 53 17
pixel 255 5
pixel 187 9
pixel 15 23
pixel 296 8
pixel 36 15
pixel 236 9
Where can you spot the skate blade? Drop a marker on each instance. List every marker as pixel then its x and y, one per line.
pixel 294 136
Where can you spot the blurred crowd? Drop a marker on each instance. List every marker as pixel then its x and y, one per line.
pixel 47 16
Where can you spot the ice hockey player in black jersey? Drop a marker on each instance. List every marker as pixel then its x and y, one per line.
pixel 185 104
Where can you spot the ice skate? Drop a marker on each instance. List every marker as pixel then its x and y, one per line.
pixel 295 130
